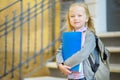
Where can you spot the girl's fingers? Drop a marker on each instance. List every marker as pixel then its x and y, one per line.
pixel 67 67
pixel 66 70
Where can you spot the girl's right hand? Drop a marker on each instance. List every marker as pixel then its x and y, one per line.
pixel 64 69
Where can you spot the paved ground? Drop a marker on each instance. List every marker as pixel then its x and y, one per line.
pixel 45 78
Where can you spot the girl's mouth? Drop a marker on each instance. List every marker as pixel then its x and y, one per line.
pixel 76 22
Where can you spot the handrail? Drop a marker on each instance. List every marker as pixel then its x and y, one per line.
pixel 18 21
pixel 23 13
pixel 23 19
pixel 9 5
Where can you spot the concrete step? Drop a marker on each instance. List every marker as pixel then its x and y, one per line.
pixel 54 71
pixel 51 65
pixel 115 68
pixel 109 34
pixel 45 78
pixel 113 49
pixel 110 38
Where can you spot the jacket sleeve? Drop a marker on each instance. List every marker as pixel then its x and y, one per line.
pixel 59 58
pixel 84 53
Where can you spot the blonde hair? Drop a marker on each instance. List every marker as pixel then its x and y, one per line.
pixel 90 21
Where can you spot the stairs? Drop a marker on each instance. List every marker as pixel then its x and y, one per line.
pixel 45 78
pixel 112 43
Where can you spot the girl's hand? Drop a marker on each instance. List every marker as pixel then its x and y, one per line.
pixel 64 69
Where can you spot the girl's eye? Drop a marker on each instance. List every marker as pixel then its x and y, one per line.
pixel 72 16
pixel 79 15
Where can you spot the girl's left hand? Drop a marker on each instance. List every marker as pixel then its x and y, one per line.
pixel 64 69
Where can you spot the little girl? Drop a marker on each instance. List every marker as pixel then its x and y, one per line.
pixel 79 20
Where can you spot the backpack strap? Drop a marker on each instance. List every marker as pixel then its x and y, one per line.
pixel 103 52
pixel 95 65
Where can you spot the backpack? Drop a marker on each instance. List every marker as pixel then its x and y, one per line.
pixel 100 65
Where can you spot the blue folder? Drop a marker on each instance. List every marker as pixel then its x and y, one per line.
pixel 71 43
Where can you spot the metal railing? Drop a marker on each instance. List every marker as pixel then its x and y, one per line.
pixel 10 26
pixel 17 24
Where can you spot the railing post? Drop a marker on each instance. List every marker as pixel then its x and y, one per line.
pixel 53 24
pixel 35 39
pixel 49 24
pixel 42 30
pixel 13 49
pixel 28 44
pixel 21 24
pixel 5 56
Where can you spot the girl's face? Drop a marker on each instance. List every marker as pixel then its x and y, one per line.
pixel 77 17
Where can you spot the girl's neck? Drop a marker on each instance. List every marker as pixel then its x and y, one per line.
pixel 84 28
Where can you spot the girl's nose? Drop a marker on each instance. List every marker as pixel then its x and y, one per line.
pixel 76 17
